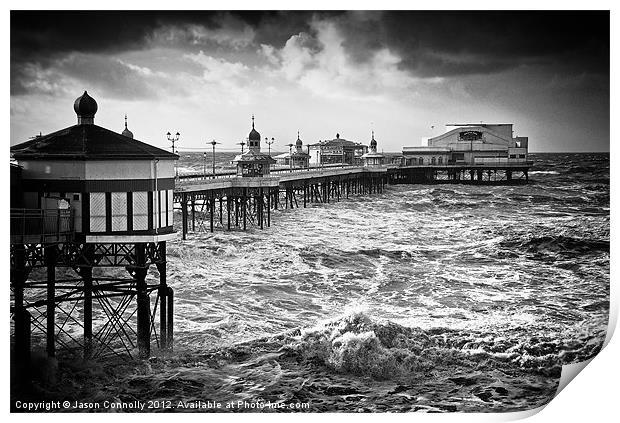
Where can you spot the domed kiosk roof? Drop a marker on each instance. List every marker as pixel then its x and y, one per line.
pixel 126 132
pixel 85 105
pixel 87 142
pixel 373 142
pixel 254 135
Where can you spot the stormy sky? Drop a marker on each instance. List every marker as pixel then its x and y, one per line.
pixel 402 73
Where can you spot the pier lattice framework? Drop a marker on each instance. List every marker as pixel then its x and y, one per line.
pixel 62 313
pixel 239 203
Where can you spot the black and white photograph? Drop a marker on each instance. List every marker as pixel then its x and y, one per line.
pixel 306 211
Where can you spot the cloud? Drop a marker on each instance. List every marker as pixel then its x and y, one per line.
pixel 221 80
pixel 229 32
pixel 319 62
pixel 114 76
pixel 424 44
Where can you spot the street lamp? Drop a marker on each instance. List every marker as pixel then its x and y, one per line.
pixel 175 150
pixel 290 156
pixel 213 144
pixel 269 143
pixel 241 144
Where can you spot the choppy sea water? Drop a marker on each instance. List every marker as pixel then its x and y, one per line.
pixel 422 298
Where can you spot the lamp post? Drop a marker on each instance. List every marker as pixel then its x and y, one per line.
pixel 213 144
pixel 204 164
pixel 174 139
pixel 269 144
pixel 241 144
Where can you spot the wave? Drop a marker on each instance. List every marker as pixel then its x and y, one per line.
pixel 383 350
pixel 557 245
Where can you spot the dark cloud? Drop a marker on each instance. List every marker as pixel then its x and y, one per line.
pixel 430 43
pixel 460 43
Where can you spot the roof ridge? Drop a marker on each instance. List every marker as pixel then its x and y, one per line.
pixel 88 142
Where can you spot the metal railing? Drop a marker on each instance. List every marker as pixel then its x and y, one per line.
pixel 41 225
pixel 191 177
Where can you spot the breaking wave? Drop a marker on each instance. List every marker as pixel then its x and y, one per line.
pixel 357 344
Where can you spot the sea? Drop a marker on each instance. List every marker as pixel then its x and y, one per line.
pixel 422 298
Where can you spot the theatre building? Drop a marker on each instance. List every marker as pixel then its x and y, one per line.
pixel 470 143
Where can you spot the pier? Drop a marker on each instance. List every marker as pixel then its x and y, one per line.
pixel 233 202
pixel 227 201
pixel 92 212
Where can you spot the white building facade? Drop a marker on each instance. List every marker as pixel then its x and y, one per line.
pixel 470 144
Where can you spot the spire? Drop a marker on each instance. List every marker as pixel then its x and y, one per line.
pixel 126 132
pixel 373 134
pixel 252 120
pixel 297 134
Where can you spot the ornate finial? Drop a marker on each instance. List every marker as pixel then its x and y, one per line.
pixel 373 134
pixel 252 120
pixel 125 120
pixel 297 134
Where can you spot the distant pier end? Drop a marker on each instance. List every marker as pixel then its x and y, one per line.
pixel 469 152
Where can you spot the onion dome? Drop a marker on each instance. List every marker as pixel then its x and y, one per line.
pixel 254 135
pixel 126 132
pixel 85 107
pixel 298 143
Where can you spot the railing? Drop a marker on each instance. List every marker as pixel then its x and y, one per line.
pixel 39 225
pixel 191 177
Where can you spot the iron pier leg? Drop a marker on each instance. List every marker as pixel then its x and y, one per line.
pixel 305 194
pixel 228 203
pixel 21 317
pixel 170 332
pixel 184 215
pixel 236 200
pixel 269 207
pixel 211 211
pixel 244 209
pixel 50 261
pixel 193 213
pixel 259 211
pixel 87 278
pixel 143 303
pixel 163 291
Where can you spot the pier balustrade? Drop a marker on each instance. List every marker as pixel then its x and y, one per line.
pixel 30 226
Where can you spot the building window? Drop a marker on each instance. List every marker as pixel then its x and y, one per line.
pixel 513 156
pixel 522 156
pixel 433 160
pixel 421 160
pixel 440 160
